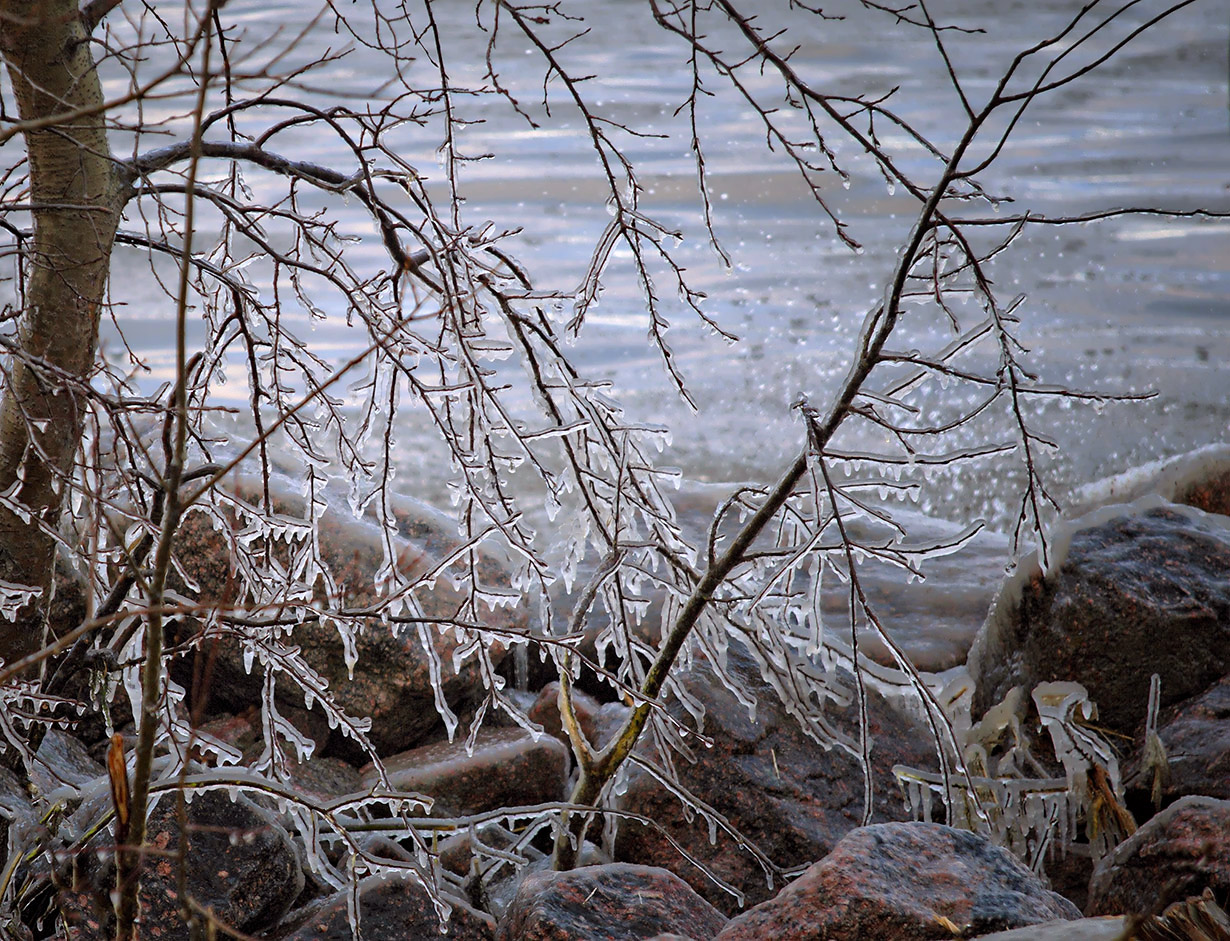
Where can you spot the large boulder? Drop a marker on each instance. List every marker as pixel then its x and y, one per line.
pixel 616 902
pixel 1176 855
pixel 1135 590
pixel 781 790
pixel 900 882
pixel 391 677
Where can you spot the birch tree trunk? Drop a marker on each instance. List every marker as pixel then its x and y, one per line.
pixel 75 197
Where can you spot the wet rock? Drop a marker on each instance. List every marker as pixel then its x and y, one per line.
pixel 241 865
pixel 507 768
pixel 392 681
pixel 391 908
pixel 608 721
pixel 1140 590
pixel 617 902
pixel 781 790
pixel 1196 736
pixel 900 882
pixel 545 712
pixel 1179 853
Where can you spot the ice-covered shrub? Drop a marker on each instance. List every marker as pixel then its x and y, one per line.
pixel 198 155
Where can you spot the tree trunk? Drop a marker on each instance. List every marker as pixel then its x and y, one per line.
pixel 76 203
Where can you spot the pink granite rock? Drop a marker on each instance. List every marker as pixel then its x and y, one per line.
pixel 1176 855
pixel 904 882
pixel 545 712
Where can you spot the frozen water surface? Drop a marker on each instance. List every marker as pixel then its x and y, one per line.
pixel 1129 305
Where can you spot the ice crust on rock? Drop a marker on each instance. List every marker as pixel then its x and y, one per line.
pixel 1172 478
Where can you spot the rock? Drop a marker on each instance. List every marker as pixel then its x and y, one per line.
pixel 1141 590
pixel 790 797
pixel 1196 736
pixel 545 712
pixel 392 681
pixel 1176 855
pixel 236 731
pixel 904 881
pixel 325 777
pixel 391 908
pixel 506 769
pixel 242 732
pixel 1083 929
pixel 608 720
pixel 242 866
pixel 501 883
pixel 616 902
pixel 63 760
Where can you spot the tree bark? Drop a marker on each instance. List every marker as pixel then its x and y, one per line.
pixel 75 194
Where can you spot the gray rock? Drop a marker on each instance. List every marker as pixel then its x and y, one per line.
pixel 1084 929
pixel 62 760
pixel 17 816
